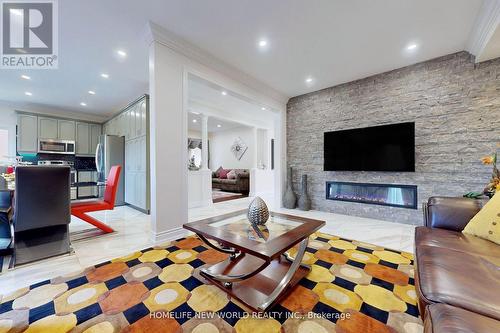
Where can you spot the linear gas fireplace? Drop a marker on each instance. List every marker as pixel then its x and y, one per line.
pixel 404 196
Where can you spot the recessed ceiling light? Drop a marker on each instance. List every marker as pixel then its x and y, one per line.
pixel 224 93
pixel 262 43
pixel 91 92
pixel 263 108
pixel 27 93
pixel 83 104
pixel 121 53
pixel 26 77
pixel 219 125
pixel 309 80
pixel 104 75
pixel 194 120
pixel 411 47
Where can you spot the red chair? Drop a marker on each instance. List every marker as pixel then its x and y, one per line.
pixel 79 209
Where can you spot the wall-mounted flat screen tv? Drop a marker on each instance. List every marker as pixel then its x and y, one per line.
pixel 378 148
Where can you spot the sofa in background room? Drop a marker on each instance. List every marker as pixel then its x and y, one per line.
pixel 231 180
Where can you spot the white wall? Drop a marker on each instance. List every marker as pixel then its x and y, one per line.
pixel 220 149
pixel 194 134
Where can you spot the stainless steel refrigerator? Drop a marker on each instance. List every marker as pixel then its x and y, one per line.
pixel 111 151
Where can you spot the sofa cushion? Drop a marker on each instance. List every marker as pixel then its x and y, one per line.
pixel 454 240
pixel 231 174
pixel 228 181
pixel 458 278
pixel 216 180
pixel 223 173
pixel 448 319
pixel 217 172
pixel 486 223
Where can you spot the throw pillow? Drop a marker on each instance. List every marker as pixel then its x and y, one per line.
pixel 223 173
pixel 231 174
pixel 486 223
pixel 217 172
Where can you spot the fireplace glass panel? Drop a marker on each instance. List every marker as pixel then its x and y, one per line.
pixel 380 194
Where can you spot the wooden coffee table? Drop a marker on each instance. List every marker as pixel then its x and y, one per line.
pixel 258 272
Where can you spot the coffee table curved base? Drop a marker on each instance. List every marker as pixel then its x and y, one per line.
pixel 262 287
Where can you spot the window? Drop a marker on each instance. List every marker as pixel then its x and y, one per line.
pixel 4 144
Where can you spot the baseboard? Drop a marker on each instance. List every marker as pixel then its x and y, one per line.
pixel 169 235
pixel 200 204
pixel 142 210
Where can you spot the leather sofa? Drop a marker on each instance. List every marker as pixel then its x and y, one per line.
pixel 241 184
pixel 457 276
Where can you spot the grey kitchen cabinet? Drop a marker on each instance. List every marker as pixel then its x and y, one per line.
pixel 32 127
pixel 132 124
pixel 82 138
pixel 52 128
pixel 95 132
pixel 27 133
pixel 66 129
pixel 47 128
pixel 87 138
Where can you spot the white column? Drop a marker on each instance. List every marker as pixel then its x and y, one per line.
pixel 255 157
pixel 254 169
pixel 168 153
pixel 204 142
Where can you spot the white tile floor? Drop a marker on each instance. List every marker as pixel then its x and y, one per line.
pixel 133 233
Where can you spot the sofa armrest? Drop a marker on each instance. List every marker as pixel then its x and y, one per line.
pixel 452 213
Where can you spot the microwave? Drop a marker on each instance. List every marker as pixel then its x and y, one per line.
pixel 56 146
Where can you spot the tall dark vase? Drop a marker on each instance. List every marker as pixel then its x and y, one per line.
pixel 289 199
pixel 304 202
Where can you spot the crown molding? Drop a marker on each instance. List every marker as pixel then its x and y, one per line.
pixel 485 25
pixel 156 33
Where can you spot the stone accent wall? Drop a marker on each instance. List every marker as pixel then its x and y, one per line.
pixel 455 105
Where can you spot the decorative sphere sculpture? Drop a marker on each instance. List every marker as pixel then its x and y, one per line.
pixel 258 213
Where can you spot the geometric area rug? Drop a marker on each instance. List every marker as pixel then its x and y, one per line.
pixel 353 287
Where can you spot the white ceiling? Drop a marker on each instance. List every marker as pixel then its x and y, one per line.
pixel 223 109
pixel 334 41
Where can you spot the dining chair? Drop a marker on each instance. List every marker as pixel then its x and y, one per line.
pixel 80 209
pixel 5 229
pixel 41 212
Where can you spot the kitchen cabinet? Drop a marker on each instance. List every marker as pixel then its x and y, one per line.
pixel 27 133
pixel 132 124
pixel 87 138
pixel 52 128
pixel 47 128
pixel 82 139
pixel 66 129
pixel 31 128
pixel 136 172
pixel 95 132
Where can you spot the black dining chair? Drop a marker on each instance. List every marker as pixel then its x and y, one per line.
pixel 5 229
pixel 41 213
